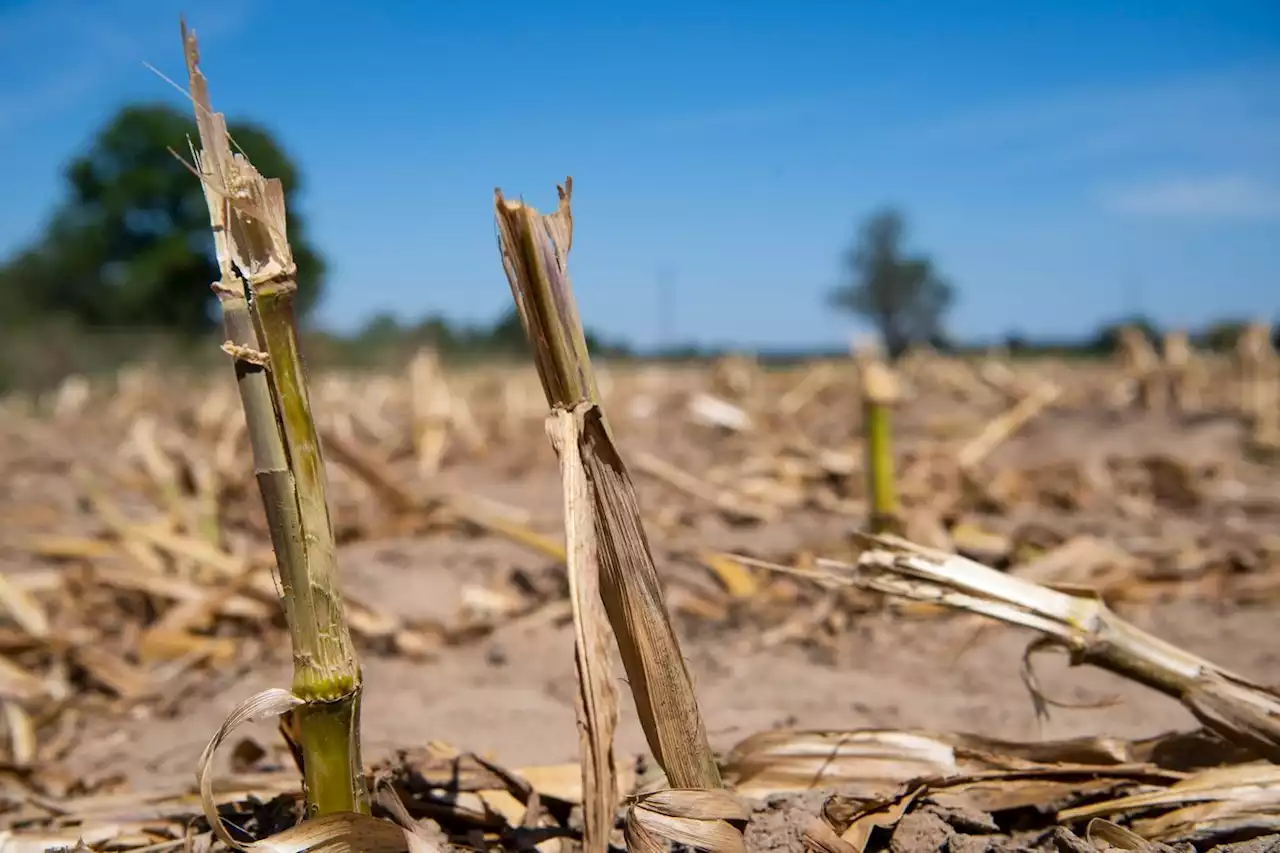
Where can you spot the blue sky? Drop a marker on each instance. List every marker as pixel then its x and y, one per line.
pixel 1062 162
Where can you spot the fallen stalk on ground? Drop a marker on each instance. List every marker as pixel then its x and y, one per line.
pixel 996 431
pixel 1227 703
pixel 458 508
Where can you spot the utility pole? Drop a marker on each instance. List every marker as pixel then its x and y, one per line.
pixel 1133 294
pixel 666 309
pixel 665 292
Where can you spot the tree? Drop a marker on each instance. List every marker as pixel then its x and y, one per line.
pixel 130 245
pixel 901 295
pixel 1106 340
pixel 507 335
pixel 1222 336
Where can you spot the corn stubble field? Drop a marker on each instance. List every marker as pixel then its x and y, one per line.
pixel 560 606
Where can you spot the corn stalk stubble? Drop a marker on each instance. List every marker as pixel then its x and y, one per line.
pixel 247 215
pixel 696 810
pixel 879 393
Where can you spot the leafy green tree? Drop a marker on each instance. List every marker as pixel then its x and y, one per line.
pixel 130 244
pixel 902 295
pixel 1222 335
pixel 1107 339
pixel 1016 343
pixel 436 331
pixel 380 328
pixel 507 334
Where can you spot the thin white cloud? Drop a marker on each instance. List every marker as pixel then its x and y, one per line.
pixel 1229 115
pixel 1223 196
pixel 48 95
pixel 1051 110
pixel 102 43
pixel 744 116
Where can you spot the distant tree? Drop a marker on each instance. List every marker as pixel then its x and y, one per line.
pixel 901 295
pixel 437 332
pixel 1107 338
pixel 1016 343
pixel 130 244
pixel 386 339
pixel 507 334
pixel 942 343
pixel 1222 335
pixel 381 327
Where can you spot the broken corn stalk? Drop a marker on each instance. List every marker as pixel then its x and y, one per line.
pixel 256 293
pixel 609 550
pixel 879 393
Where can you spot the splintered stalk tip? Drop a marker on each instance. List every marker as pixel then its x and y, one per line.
pixel 609 548
pixel 247 216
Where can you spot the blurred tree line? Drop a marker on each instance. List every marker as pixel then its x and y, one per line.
pixel 122 268
pixel 121 272
pixel 387 339
pixel 1219 336
pixel 129 245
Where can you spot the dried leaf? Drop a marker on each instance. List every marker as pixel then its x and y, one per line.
pixel 23 608
pixel 736 578
pixel 18 684
pixel 1253 782
pixel 819 837
pixel 883 815
pixel 22 734
pixel 596 700
pixel 1102 833
pixel 268 703
pixel 343 832
pixel 698 818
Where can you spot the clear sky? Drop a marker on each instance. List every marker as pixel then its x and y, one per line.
pixel 1063 162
